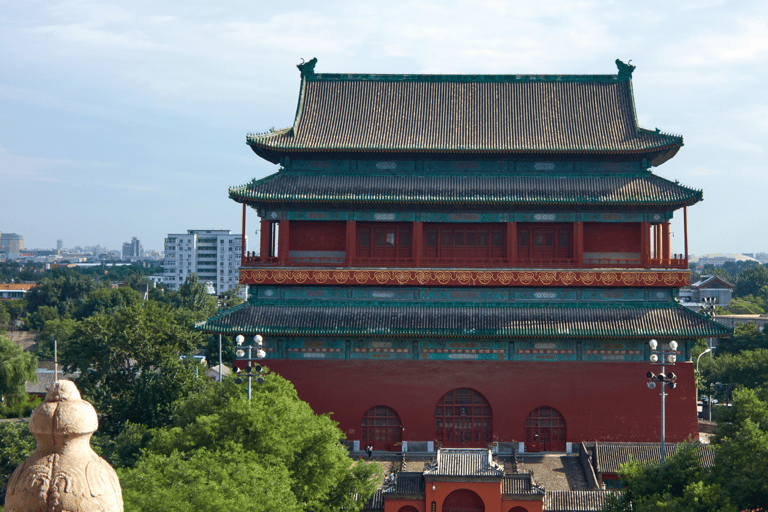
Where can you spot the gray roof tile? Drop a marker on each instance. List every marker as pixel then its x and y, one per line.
pixel 513 113
pixel 464 462
pixel 610 456
pixel 495 191
pixel 575 501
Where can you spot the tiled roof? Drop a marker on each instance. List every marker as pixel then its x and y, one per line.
pixel 610 456
pixel 634 320
pixel 464 462
pixel 520 484
pixel 409 483
pixel 575 501
pixel 375 502
pixel 466 113
pixel 17 286
pixel 501 190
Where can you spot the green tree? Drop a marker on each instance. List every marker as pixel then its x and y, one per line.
pixel 741 466
pixel 741 306
pixel 751 280
pixel 16 444
pixel 748 368
pixel 36 321
pixel 16 369
pixel 5 318
pixel 112 350
pixel 193 296
pixel 102 300
pixel 64 290
pixel 679 484
pixel 16 308
pixel 206 480
pixel 57 330
pixel 745 337
pixel 231 299
pixel 275 427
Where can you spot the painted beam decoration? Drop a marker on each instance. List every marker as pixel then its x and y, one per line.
pixel 427 277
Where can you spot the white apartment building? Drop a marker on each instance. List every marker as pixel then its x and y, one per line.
pixel 212 254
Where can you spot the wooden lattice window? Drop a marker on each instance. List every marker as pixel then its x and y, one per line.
pixel 463 419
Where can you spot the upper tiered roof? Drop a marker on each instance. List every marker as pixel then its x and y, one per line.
pixel 519 114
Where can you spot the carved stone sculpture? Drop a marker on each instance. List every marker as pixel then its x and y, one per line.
pixel 64 474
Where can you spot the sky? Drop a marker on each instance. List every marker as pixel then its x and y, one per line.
pixel 128 118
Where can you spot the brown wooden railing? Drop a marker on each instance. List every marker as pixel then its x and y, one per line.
pixel 678 261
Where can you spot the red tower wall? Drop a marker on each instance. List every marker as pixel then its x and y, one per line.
pixel 611 237
pixel 599 401
pixel 317 236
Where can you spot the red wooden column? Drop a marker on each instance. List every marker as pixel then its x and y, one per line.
pixel 417 242
pixel 665 243
pixel 282 243
pixel 578 243
pixel 350 243
pixel 265 242
pixel 685 234
pixel 512 243
pixel 645 244
pixel 242 241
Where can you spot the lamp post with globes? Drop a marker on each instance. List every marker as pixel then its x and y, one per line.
pixel 257 347
pixel 663 356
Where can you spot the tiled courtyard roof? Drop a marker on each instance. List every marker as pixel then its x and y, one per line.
pixel 610 456
pixel 520 484
pixel 634 320
pixel 502 190
pixel 575 501
pixel 407 483
pixel 466 113
pixel 375 502
pixel 464 462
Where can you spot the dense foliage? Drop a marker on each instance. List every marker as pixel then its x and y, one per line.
pixel 179 440
pixel 16 368
pixel 738 479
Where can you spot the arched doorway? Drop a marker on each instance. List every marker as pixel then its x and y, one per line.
pixel 381 427
pixel 545 430
pixel 518 509
pixel 463 419
pixel 409 508
pixel 463 500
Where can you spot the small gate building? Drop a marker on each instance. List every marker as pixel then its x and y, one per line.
pixel 466 260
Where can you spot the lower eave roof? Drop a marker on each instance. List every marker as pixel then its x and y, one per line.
pixel 554 321
pixel 502 191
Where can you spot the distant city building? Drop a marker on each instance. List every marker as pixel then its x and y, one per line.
pixel 212 254
pixel 762 257
pixel 11 243
pixel 15 290
pixel 718 259
pixel 132 249
pixel 59 244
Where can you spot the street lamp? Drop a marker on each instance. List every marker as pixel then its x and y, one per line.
pixel 697 374
pixel 663 356
pixel 257 346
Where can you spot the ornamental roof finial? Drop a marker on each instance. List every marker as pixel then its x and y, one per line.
pixel 307 68
pixel 625 70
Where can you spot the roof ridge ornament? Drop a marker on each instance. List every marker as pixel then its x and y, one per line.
pixel 625 70
pixel 307 68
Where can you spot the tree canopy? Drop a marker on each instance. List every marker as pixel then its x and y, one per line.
pixel 16 369
pixel 275 432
